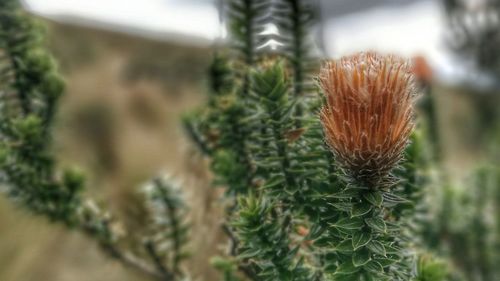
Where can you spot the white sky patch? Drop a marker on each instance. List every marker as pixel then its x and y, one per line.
pixel 198 20
pixel 408 30
pixel 411 30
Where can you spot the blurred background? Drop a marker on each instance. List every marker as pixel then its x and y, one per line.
pixel 133 68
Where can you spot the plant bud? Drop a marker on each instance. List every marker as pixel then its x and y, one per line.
pixel 368 114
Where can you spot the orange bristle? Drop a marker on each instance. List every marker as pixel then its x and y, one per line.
pixel 368 115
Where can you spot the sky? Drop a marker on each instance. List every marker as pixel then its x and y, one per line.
pixel 404 29
pixel 415 29
pixel 197 20
pixel 411 30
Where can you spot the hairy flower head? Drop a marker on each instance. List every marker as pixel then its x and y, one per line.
pixel 368 114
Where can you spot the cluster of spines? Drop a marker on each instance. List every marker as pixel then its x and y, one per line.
pixel 295 20
pixel 266 242
pixel 29 93
pixel 169 230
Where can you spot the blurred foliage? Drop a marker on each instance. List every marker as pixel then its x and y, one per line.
pixel 430 269
pixel 466 230
pixel 30 88
pixel 475 32
pixel 169 230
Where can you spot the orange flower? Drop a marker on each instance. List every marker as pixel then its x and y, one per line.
pixel 421 69
pixel 368 115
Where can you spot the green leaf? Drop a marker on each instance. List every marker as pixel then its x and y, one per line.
pixel 349 223
pixel 360 239
pixel 342 206
pixel 315 232
pixel 393 228
pixel 377 224
pixel 330 268
pixel 377 248
pixel 293 253
pixel 346 193
pixel 345 246
pixel 335 232
pixel 385 262
pixel 223 264
pixel 274 182
pixel 374 197
pixel 346 268
pixel 249 253
pixel 322 242
pixel 347 277
pixel 360 258
pixel 391 199
pixel 360 209
pixel 392 250
pixel 373 266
